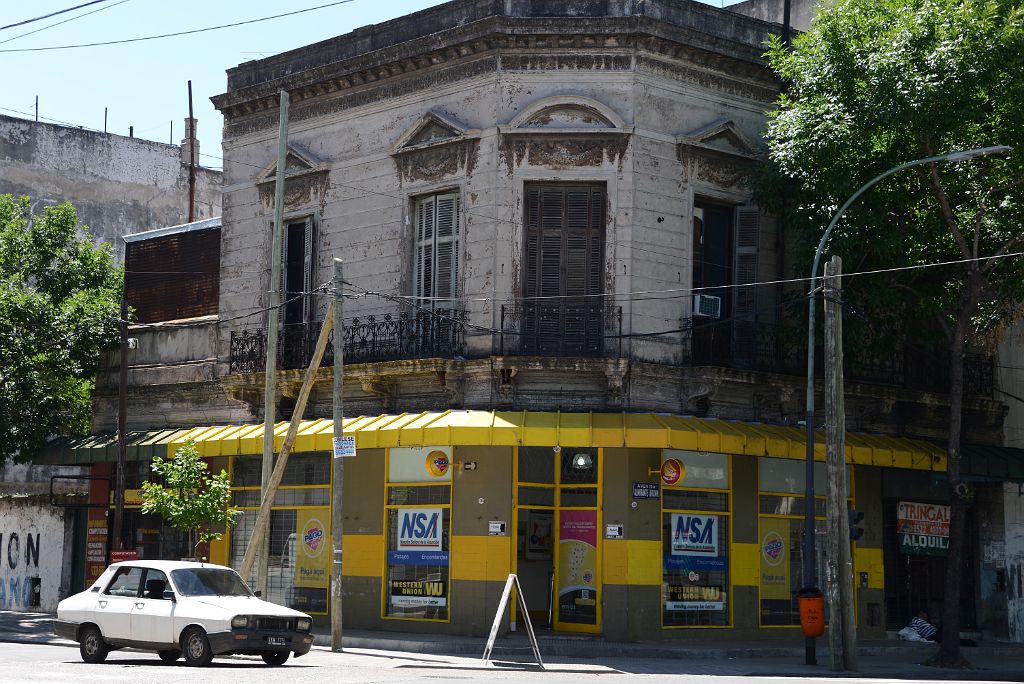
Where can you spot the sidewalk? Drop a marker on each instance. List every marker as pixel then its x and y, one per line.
pixel 992 661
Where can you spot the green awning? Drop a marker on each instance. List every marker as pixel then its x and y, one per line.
pixel 992 464
pixel 142 445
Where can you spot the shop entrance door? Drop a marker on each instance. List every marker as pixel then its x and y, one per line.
pixel 557 521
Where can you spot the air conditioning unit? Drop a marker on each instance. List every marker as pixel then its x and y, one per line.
pixel 708 306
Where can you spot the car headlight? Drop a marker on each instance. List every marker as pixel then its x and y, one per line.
pixel 303 624
pixel 240 621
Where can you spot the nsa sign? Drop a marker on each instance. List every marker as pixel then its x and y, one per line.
pixel 694 535
pixel 419 529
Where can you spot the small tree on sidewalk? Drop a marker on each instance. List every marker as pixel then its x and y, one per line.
pixel 192 498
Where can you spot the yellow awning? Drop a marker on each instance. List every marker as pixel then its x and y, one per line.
pixel 537 428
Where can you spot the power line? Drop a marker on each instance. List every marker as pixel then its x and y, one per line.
pixel 177 33
pixel 48 26
pixel 53 14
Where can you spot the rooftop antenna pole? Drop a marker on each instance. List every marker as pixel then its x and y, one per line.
pixel 191 159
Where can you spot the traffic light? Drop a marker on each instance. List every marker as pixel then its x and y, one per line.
pixel 855 518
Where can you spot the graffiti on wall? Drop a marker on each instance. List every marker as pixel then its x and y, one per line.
pixel 19 559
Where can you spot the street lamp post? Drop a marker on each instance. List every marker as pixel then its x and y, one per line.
pixel 809 569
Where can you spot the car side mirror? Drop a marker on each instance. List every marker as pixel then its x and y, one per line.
pixel 257 593
pixel 169 596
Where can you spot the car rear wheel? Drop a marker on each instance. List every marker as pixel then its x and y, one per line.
pixel 275 657
pixel 91 645
pixel 196 647
pixel 169 656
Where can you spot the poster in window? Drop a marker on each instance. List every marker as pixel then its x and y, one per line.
pixel 923 529
pixel 774 552
pixel 695 542
pixel 539 537
pixel 693 597
pixel 428 593
pixel 419 529
pixel 577 574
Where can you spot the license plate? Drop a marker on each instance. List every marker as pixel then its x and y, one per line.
pixel 276 641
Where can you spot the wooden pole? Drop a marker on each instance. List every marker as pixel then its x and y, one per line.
pixel 270 386
pixel 338 471
pixel 842 634
pixel 263 517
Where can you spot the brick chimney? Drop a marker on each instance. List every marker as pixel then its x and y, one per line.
pixel 185 142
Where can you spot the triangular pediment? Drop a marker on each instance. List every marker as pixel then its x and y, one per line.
pixel 432 128
pixel 295 162
pixel 723 135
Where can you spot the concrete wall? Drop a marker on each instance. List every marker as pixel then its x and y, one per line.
pixel 32 543
pixel 801 12
pixel 118 185
pixel 1013 510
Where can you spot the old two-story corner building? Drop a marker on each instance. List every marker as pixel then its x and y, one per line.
pixel 553 272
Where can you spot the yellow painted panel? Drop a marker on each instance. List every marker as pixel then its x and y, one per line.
pixel 608 430
pixel 684 433
pixel 869 561
pixel 615 561
pixel 575 429
pixel 644 431
pixel 540 429
pixel 643 562
pixel 362 555
pixel 745 564
pixel 219 550
pixel 481 558
pixel 508 428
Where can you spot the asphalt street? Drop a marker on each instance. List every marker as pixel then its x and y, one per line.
pixel 25 662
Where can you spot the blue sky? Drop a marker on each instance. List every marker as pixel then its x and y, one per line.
pixel 145 84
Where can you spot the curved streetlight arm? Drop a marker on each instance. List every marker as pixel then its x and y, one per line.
pixel 810 571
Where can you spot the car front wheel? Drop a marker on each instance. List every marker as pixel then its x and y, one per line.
pixel 275 657
pixel 169 656
pixel 196 647
pixel 91 645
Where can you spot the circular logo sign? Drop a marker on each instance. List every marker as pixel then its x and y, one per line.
pixel 313 538
pixel 772 548
pixel 672 471
pixel 437 463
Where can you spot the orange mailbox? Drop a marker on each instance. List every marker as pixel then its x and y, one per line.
pixel 812 611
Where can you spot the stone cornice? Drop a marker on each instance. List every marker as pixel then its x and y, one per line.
pixel 605 42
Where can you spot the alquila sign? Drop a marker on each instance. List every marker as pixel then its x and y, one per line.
pixel 922 529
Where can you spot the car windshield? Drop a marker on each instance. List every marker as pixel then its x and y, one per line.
pixel 209 582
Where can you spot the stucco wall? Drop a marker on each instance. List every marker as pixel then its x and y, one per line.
pixel 32 542
pixel 118 185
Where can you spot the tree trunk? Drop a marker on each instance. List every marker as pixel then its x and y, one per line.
pixel 949 651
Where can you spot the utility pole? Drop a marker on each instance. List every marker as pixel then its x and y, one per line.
pixel 191 159
pixel 338 473
pixel 270 386
pixel 122 422
pixel 842 634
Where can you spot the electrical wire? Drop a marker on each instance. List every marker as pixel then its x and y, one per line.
pixel 58 23
pixel 177 33
pixel 53 14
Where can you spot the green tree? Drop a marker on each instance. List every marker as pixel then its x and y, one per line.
pixel 877 83
pixel 191 498
pixel 59 303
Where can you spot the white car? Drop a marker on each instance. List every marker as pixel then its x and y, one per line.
pixel 178 608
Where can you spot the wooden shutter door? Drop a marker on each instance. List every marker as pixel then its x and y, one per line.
pixel 744 309
pixel 564 256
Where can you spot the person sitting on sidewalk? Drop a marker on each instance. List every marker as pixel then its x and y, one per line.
pixel 926 630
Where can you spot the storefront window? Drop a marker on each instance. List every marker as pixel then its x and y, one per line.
pixel 419 493
pixel 695 541
pixel 781 535
pixel 299 562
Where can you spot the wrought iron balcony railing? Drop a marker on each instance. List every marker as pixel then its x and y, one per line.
pixel 368 339
pixel 587 329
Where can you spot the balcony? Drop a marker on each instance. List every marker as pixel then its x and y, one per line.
pixel 585 330
pixel 368 339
